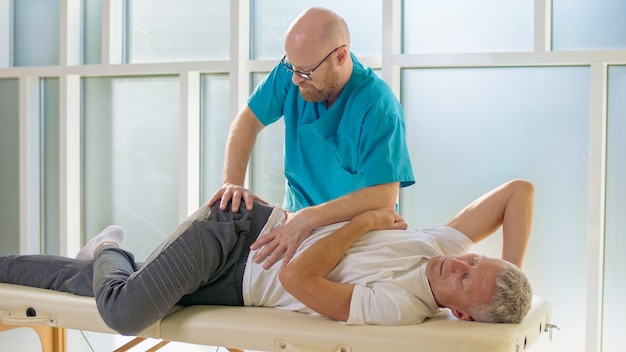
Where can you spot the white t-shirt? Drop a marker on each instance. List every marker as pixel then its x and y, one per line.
pixel 387 268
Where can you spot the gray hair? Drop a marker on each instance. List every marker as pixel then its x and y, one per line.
pixel 511 299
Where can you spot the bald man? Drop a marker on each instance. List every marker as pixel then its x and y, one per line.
pixel 345 147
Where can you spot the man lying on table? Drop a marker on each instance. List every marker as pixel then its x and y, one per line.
pixel 370 270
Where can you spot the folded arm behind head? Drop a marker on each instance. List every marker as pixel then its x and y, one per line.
pixel 509 206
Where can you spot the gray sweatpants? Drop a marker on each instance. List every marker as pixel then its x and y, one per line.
pixel 201 262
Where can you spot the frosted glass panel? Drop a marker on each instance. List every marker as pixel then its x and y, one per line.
pixel 271 19
pixel 615 241
pixel 183 30
pixel 9 172
pixel 92 31
pixel 470 130
pixel 5 30
pixel 36 41
pixel 50 170
pixel 215 124
pixel 131 158
pixel 459 26
pixel 267 177
pixel 588 24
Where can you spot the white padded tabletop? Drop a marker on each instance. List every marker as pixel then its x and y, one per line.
pixel 265 328
pixel 268 329
pixel 53 308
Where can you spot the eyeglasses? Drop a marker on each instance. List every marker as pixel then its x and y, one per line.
pixel 307 75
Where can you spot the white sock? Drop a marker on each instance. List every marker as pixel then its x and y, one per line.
pixel 112 233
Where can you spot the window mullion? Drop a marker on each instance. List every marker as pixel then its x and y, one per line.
pixel 29 127
pixel 543 25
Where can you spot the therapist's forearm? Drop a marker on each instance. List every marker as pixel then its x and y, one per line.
pixel 347 207
pixel 241 140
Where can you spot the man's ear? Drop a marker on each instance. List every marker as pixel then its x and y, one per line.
pixel 342 57
pixel 461 315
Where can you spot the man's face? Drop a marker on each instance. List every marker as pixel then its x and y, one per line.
pixel 322 83
pixel 457 282
pixel 322 86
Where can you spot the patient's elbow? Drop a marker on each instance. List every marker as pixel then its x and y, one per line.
pixel 524 187
pixel 285 276
pixel 290 279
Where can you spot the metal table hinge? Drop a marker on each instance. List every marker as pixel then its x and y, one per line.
pixel 549 327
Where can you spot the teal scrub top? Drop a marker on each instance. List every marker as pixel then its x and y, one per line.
pixel 358 142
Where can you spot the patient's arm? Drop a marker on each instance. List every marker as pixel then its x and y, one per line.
pixel 509 206
pixel 305 276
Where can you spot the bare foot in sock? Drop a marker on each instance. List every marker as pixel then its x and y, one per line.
pixel 111 234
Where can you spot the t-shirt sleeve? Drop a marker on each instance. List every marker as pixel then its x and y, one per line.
pixel 384 304
pixel 373 124
pixel 450 240
pixel 267 101
pixel 384 150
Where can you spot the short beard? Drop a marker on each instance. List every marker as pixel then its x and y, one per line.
pixel 314 95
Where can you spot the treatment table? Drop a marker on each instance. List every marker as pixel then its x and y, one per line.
pixel 267 329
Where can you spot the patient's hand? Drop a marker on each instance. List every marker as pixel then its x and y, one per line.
pixel 382 219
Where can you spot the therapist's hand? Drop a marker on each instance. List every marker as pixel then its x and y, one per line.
pixel 284 240
pixel 236 193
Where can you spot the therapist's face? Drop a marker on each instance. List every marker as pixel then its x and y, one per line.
pixel 323 86
pixel 458 282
